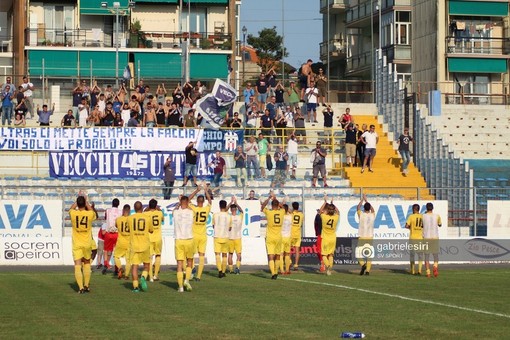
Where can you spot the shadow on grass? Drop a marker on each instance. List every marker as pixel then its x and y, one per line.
pixel 74 286
pixel 171 284
pixel 399 271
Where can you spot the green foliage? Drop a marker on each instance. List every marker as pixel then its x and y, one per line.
pixel 136 26
pixel 268 46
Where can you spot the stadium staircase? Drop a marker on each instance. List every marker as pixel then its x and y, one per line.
pixel 387 178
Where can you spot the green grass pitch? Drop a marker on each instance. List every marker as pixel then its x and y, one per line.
pixel 463 302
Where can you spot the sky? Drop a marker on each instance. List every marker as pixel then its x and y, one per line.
pixel 302 23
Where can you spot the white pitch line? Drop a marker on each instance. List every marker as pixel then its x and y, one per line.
pixel 403 297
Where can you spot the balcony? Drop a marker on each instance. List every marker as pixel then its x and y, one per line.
pixel 5 44
pixel 335 6
pixel 96 38
pixel 398 52
pixel 359 63
pixel 361 13
pixel 477 46
pixel 337 48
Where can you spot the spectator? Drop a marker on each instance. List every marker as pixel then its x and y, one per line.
pixel 236 122
pixel 19 120
pixel 173 118
pixel 177 95
pixel 83 112
pixel 299 123
pixel 350 145
pixel 370 139
pixel 169 179
pixel 190 120
pixel 328 124
pixel 161 93
pixel 133 121
pixel 101 102
pixel 160 115
pixel 240 165
pixel 279 91
pixel 248 94
pixel 289 119
pixel 94 118
pixel 122 94
pixel 125 113
pixel 271 106
pixel 360 146
pixel 292 151
pixel 280 157
pixel 77 95
pixel 187 89
pixel 318 158
pixel 261 90
pixel 9 83
pixel 7 96
pixel 117 104
pixel 220 168
pixel 92 94
pixel 109 94
pixel 20 103
pixel 304 77
pixel 199 90
pixel 346 118
pixel 321 80
pixel 251 120
pixel 44 114
pixel 403 148
pixel 263 146
pixel 293 94
pixel 109 115
pixel 281 125
pixel 311 95
pixel 251 148
pixel 266 124
pixel 117 120
pixel 134 106
pixel 27 88
pixel 68 120
pixel 271 82
pixel 191 156
pixel 251 196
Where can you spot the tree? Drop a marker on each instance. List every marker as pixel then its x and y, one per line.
pixel 268 46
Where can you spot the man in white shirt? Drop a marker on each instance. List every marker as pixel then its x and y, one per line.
pixel 311 95
pixel 365 232
pixel 292 151
pixel 235 236
pixel 252 158
pixel 431 225
pixel 370 139
pixel 27 88
pixel 183 222
pixel 110 233
pixel 222 227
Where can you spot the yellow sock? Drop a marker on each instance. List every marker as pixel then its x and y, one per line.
pixel 78 275
pixel 180 279
pixel 287 263
pixel 218 262
pixel 276 266
pixel 325 260
pixel 238 264
pixel 201 263
pixel 412 267
pixel 420 265
pixel 118 264
pixel 361 262
pixel 144 274
pixel 135 284
pixel 150 268
pixel 271 267
pixel 369 266
pixel 281 263
pixel 436 264
pixel 157 265
pixel 224 264
pixel 128 267
pixel 87 272
pixel 231 267
pixel 188 272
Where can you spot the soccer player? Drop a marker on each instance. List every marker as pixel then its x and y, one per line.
pixel 81 221
pixel 431 225
pixel 415 225
pixel 221 225
pixel 140 227
pixel 274 218
pixel 365 231
pixel 98 249
pixel 286 234
pixel 295 235
pixel 110 233
pixel 156 218
pixel 235 236
pixel 184 248
pixel 201 214
pixel 122 249
pixel 317 224
pixel 329 216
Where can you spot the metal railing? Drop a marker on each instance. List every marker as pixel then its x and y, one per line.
pixel 477 45
pixel 97 38
pixel 335 47
pixel 5 43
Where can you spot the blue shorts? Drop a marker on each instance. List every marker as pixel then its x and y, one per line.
pixel 190 169
pixel 262 97
pixel 370 152
pixel 311 106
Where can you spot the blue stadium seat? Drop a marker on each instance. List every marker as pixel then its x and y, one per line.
pixel 491 182
pixel 39 194
pixel 502 182
pixel 53 195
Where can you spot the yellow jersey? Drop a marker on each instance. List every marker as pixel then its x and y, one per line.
pixel 81 221
pixel 415 223
pixel 329 223
pixel 140 226
pixel 200 216
pixel 297 223
pixel 274 222
pixel 156 218
pixel 123 229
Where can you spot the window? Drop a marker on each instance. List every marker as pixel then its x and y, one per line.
pixel 402 28
pixel 58 19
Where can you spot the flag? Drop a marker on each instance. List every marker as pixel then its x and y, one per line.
pixel 127 73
